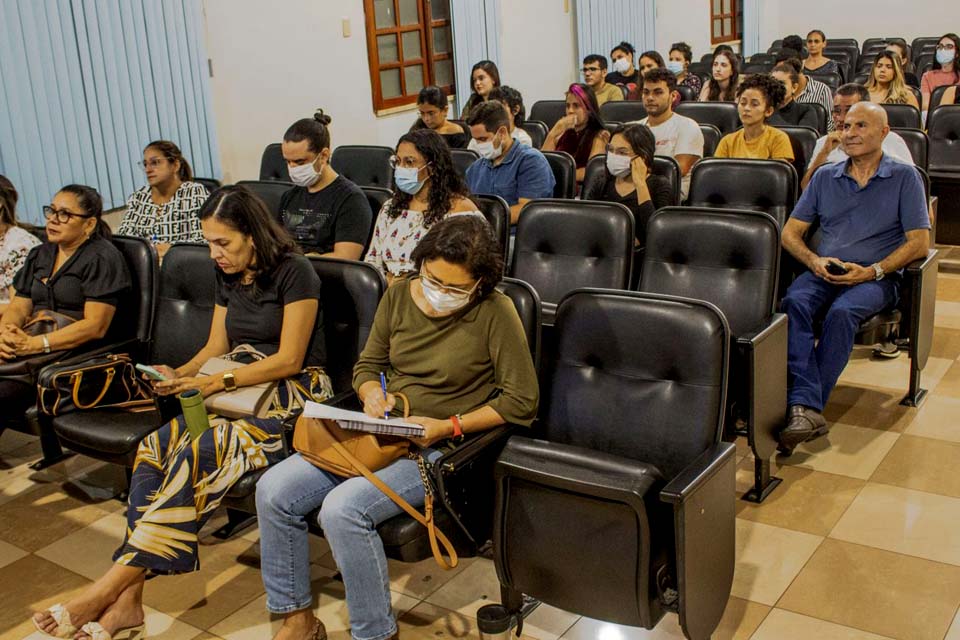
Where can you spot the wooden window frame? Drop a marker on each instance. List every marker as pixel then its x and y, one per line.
pixel 427 58
pixel 736 16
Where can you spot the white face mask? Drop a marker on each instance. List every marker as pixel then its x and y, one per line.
pixel 618 165
pixel 304 175
pixel 444 301
pixel 621 65
pixel 486 150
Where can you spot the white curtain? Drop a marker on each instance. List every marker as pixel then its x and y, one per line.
pixel 752 16
pixel 476 25
pixel 603 24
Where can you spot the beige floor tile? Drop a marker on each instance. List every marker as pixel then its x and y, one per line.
pixel 427 621
pixel 740 619
pixel 954 632
pixel 88 551
pixel 923 464
pixel 878 591
pixel 420 579
pixel 847 450
pixel 949 384
pixel 39 584
pixel 806 500
pixel 869 407
pixel 589 629
pixel 947 314
pixel 890 374
pixel 937 418
pixel 10 554
pixel 11 440
pixel 786 625
pixel 42 516
pixel 946 343
pixel 768 558
pixel 909 522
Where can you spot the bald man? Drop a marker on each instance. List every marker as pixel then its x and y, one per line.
pixel 872 213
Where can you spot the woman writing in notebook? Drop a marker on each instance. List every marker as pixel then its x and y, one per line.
pixel 455 347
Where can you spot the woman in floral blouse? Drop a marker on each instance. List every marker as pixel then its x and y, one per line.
pixel 427 189
pixel 15 242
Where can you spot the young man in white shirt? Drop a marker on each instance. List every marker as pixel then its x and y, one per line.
pixel 829 148
pixel 677 136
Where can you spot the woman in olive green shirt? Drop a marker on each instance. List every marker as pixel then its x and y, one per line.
pixel 454 345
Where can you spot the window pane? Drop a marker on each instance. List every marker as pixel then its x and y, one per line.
pixel 716 29
pixel 716 7
pixel 390 83
pixel 443 70
pixel 441 40
pixel 411 45
pixel 387 49
pixel 383 10
pixel 727 26
pixel 439 9
pixel 414 77
pixel 726 6
pixel 409 12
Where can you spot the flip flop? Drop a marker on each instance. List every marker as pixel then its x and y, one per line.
pixel 61 616
pixel 96 632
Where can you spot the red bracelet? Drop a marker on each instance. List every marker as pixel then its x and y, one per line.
pixel 457 426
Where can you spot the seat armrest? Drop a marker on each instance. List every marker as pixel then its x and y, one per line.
pixel 704 521
pixel 918 296
pixel 764 354
pixel 474 445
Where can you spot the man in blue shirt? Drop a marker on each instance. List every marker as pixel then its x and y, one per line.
pixel 515 172
pixel 872 213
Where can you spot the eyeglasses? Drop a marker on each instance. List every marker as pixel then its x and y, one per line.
pixel 155 162
pixel 406 163
pixel 941 47
pixel 62 215
pixel 586 70
pixel 445 288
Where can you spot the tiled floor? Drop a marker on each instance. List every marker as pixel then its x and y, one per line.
pixel 860 542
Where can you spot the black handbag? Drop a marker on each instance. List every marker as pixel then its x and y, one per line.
pixel 25 369
pixel 108 381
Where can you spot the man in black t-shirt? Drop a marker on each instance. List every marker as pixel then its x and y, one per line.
pixel 326 213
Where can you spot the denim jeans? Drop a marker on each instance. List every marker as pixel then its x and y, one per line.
pixel 814 370
pixel 350 510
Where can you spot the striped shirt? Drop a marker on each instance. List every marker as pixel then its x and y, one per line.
pixel 175 221
pixel 819 93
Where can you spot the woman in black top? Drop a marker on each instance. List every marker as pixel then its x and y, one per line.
pixel 267 296
pixel 792 112
pixel 629 180
pixel 77 272
pixel 432 107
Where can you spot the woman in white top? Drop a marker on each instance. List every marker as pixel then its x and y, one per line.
pixel 15 242
pixel 428 189
pixel 516 112
pixel 165 211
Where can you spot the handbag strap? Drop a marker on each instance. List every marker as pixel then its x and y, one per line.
pixel 436 536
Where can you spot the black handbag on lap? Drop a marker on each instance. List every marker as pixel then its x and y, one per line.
pixel 101 382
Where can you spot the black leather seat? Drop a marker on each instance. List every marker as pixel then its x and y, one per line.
pixel 270 191
pixel 548 111
pixel 937 96
pixel 622 508
pixel 902 115
pixel 731 259
pixel 463 158
pixel 497 212
pixel 687 94
pixel 595 174
pixel 762 58
pixel 918 143
pixel 711 138
pixel 943 129
pixel 757 68
pixel 722 115
pixel 184 309
pixel 822 116
pixel 376 198
pixel 272 164
pixel 364 165
pixel 538 131
pixel 210 183
pixel 623 110
pixel 563 245
pixel 564 169
pixel 803 140
pixel 759 185
pixel 831 79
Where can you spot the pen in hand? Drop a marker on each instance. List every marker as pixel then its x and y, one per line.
pixel 383 385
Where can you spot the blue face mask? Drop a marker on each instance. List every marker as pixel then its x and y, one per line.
pixel 675 67
pixel 406 179
pixel 945 56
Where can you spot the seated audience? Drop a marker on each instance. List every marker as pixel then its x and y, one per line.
pixel 630 180
pixel 681 55
pixel 624 73
pixel 808 89
pixel 325 213
pixel 78 273
pixel 677 136
pixel 815 60
pixel 580 133
pixel 266 296
pixel 428 190
pixel 829 148
pixel 945 70
pixel 898 47
pixel 15 242
pixel 594 76
pixel 484 78
pixel 872 214
pixel 516 172
pixel 512 101
pixel 650 60
pixel 432 106
pixel 757 98
pixel 790 111
pixel 886 85
pixel 165 211
pixel 454 345
pixel 726 77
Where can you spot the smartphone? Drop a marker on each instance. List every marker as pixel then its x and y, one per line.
pixel 150 371
pixel 836 269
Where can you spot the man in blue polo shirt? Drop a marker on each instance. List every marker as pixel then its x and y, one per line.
pixel 872 213
pixel 515 172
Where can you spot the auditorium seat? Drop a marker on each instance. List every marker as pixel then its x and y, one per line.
pixel 272 164
pixel 902 115
pixel 943 130
pixel 623 111
pixel 270 191
pixel 537 130
pixel 722 115
pixel 548 111
pixel 918 143
pixel 711 138
pixel 497 212
pixel 462 159
pixel 364 165
pixel 210 184
pixel 759 185
pixel 564 169
pixel 803 140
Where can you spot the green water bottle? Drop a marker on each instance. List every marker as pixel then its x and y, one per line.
pixel 194 413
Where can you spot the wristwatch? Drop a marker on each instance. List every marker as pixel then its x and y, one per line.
pixel 46 344
pixel 229 382
pixel 878 270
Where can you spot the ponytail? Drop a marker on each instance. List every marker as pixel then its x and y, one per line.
pixel 172 153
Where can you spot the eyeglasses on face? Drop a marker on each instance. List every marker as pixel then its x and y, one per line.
pixel 445 288
pixel 948 47
pixel 153 162
pixel 62 216
pixel 589 70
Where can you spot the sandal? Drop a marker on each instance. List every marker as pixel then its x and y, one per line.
pixel 60 615
pixel 96 632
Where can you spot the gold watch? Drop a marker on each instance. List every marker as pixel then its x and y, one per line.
pixel 229 382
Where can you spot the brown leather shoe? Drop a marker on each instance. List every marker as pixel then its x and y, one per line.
pixel 804 424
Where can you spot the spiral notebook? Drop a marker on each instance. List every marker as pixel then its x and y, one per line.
pixel 359 421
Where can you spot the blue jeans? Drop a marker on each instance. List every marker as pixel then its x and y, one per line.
pixel 350 510
pixel 814 370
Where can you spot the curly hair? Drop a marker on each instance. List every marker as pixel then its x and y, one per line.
pixel 772 89
pixel 445 183
pixel 468 241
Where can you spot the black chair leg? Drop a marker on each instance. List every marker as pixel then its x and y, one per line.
pixel 763 482
pixel 915 394
pixel 237 521
pixel 52 451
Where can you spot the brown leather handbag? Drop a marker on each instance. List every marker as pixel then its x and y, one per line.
pixel 97 383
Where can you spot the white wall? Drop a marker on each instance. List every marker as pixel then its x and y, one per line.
pixel 684 21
